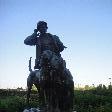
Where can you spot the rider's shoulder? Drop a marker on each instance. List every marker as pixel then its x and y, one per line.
pixel 54 36
pixel 48 34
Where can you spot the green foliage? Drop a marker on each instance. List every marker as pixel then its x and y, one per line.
pixel 97 99
pixel 12 104
pixel 15 102
pixel 34 88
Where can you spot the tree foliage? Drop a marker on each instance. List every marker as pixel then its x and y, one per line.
pixel 88 99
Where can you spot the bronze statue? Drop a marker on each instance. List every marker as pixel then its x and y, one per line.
pixel 44 41
pixel 58 82
pixel 53 79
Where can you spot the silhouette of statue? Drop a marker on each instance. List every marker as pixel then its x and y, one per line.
pixel 52 77
pixel 44 41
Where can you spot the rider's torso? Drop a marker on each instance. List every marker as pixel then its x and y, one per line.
pixel 46 42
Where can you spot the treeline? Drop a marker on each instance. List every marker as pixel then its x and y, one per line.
pixel 89 99
pixel 94 99
pixel 11 92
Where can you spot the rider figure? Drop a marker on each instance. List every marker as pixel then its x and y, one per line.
pixel 44 41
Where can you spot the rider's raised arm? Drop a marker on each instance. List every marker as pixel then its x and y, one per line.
pixel 31 40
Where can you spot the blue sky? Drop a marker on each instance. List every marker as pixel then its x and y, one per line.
pixel 84 26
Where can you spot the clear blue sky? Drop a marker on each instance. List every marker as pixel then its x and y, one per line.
pixel 84 26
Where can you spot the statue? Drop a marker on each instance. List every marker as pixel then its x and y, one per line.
pixel 51 77
pixel 44 41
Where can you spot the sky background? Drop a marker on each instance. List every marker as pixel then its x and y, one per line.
pixel 84 26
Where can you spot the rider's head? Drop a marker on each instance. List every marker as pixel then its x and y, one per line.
pixel 42 27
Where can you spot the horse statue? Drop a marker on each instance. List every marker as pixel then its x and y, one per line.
pixel 57 83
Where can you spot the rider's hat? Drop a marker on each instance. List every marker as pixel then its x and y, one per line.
pixel 40 24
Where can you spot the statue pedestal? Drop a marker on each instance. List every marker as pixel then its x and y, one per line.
pixel 32 110
pixel 37 110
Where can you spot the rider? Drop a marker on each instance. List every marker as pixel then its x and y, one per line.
pixel 44 41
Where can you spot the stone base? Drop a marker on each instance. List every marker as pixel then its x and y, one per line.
pixel 37 110
pixel 32 110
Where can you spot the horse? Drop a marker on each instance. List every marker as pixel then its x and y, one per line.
pixel 57 82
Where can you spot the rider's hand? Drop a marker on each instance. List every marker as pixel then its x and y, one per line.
pixel 35 30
